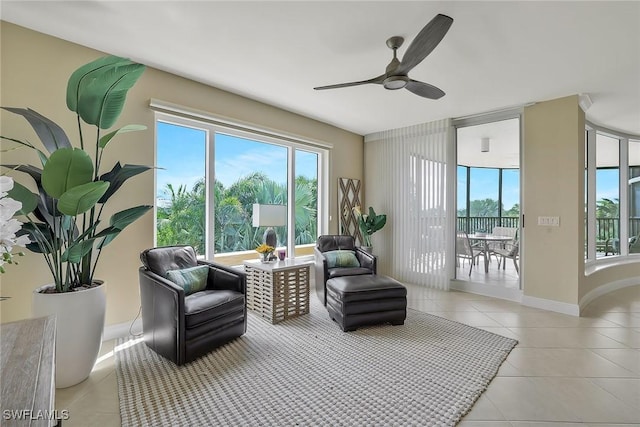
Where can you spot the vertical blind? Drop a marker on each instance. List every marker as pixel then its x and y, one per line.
pixel 406 178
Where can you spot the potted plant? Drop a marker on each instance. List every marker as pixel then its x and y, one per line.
pixel 64 219
pixel 265 252
pixel 369 224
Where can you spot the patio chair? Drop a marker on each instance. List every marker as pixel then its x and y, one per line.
pixel 465 251
pixel 634 246
pixel 502 231
pixel 510 251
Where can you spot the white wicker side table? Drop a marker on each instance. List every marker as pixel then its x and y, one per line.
pixel 279 290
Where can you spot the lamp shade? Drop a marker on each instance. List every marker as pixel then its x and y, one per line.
pixel 269 215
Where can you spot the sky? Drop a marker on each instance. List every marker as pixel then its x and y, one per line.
pixel 484 185
pixel 181 157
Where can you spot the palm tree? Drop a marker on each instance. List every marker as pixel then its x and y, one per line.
pixel 183 221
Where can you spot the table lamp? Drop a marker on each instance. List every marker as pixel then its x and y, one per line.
pixel 269 216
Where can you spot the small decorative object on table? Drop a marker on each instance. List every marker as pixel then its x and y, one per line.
pixel 282 253
pixel 265 252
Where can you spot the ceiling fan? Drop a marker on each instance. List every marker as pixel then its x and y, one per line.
pixel 396 75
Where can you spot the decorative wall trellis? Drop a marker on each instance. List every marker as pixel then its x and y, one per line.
pixel 349 195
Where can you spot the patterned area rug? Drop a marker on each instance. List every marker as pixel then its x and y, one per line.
pixel 307 372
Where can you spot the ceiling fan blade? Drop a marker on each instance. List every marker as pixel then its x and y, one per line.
pixel 424 43
pixel 424 89
pixel 376 80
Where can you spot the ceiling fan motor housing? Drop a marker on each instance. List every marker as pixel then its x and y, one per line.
pixel 395 82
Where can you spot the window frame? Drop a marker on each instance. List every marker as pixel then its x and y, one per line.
pixel 212 126
pixel 592 130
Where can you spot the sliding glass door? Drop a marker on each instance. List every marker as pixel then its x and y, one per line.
pixel 488 201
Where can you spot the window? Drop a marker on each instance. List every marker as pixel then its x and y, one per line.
pixel 246 172
pixel 484 192
pixel 462 192
pixel 634 196
pixel 612 200
pixel 180 185
pixel 607 195
pixel 209 177
pixel 306 196
pixel 510 194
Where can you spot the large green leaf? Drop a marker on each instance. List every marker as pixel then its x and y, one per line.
pixel 81 198
pixel 128 128
pixel 123 218
pixel 73 85
pixel 22 194
pixel 101 89
pixel 46 210
pixel 66 168
pixel 118 175
pixel 51 135
pixel 119 221
pixel 75 252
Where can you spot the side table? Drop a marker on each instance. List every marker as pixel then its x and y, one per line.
pixel 280 290
pixel 27 352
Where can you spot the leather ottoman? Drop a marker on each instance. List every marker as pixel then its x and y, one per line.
pixel 354 301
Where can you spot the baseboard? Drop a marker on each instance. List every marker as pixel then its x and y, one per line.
pixel 120 330
pixel 551 305
pixel 606 288
pixel 486 290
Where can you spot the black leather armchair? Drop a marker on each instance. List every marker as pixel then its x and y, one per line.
pixel 183 328
pixel 368 262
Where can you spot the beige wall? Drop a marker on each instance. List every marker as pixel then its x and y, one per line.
pixel 553 185
pixel 34 72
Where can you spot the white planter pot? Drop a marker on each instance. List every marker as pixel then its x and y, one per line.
pixel 79 326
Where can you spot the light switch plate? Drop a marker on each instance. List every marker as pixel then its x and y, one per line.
pixel 549 221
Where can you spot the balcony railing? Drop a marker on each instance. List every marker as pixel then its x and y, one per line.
pixel 486 223
pixel 607 229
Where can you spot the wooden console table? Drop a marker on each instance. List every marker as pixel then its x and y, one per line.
pixel 279 290
pixel 27 368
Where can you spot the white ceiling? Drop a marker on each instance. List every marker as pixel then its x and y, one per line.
pixel 496 54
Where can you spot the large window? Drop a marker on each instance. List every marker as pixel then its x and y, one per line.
pixel 209 178
pixel 613 193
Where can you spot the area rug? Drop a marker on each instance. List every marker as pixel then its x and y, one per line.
pixel 307 372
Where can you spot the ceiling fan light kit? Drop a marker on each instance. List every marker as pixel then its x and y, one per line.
pixel 395 82
pixel 396 75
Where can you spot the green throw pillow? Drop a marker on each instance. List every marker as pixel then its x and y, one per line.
pixel 192 279
pixel 343 259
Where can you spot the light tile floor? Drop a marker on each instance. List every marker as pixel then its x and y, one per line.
pixel 505 275
pixel 566 371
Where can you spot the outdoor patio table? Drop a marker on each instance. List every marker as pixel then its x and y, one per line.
pixel 486 238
